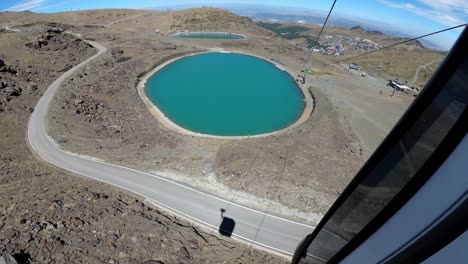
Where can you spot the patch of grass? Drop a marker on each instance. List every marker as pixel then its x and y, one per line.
pixel 316 72
pixel 195 158
pixel 402 63
pixel 280 28
pixel 291 32
pixel 322 211
pixel 269 50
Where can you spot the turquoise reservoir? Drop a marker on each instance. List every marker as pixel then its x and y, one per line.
pixel 208 35
pixel 226 94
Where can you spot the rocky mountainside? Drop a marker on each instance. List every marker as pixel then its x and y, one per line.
pixel 17 78
pixel 369 31
pixel 212 19
pixel 51 216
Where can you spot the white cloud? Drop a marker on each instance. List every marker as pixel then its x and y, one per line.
pixel 447 12
pixel 398 5
pixel 52 5
pixel 446 4
pixel 25 5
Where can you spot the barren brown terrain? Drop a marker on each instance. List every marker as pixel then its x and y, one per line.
pixel 55 216
pixel 51 216
pixel 99 114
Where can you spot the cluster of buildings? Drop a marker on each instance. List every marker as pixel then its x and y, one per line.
pixel 337 45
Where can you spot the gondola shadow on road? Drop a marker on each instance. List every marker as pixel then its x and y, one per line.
pixel 226 228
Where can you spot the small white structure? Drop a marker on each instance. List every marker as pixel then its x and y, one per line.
pixel 354 66
pixel 398 86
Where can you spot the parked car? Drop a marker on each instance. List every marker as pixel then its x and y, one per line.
pixel 354 66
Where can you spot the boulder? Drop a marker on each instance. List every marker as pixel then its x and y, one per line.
pixel 7 259
pixel 31 86
pixel 7 68
pixel 169 47
pixel 36 228
pixel 55 30
pixel 8 234
pixel 42 42
pixel 48 36
pixel 33 45
pixel 26 237
pixel 12 91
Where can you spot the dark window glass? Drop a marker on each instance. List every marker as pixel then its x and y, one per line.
pixel 393 172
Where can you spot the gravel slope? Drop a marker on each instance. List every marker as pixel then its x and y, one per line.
pixel 50 216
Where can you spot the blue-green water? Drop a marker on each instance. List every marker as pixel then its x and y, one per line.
pixel 209 35
pixel 226 94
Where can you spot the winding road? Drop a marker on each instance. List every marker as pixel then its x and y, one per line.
pixel 276 233
pixel 416 74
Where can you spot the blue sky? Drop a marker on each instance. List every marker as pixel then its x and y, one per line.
pixel 413 17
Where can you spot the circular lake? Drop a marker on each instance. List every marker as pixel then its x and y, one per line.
pixel 226 94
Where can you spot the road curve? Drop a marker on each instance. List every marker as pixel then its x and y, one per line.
pixel 251 225
pixel 416 74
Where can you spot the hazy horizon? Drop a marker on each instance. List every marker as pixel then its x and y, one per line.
pixel 412 18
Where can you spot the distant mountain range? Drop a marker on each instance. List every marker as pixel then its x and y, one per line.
pixel 307 16
pixel 304 19
pixel 337 22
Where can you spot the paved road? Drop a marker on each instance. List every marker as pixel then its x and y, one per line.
pixel 254 226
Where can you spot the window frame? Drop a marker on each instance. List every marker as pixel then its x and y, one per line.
pixel 454 59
